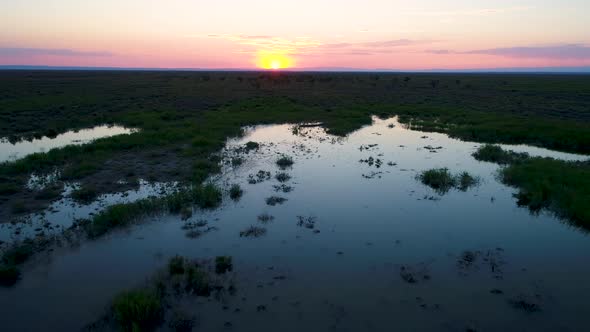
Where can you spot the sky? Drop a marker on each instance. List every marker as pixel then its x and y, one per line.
pixel 298 34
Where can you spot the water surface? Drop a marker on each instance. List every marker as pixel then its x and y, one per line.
pixel 472 255
pixel 12 151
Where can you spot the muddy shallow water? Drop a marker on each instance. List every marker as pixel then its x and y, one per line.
pixel 390 254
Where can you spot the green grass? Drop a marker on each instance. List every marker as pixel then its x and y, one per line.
pixel 442 181
pixel 138 310
pixel 119 215
pixel 439 179
pixel 559 186
pixel 495 154
pixel 465 181
pixel 562 187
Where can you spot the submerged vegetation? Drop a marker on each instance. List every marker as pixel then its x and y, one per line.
pixel 442 181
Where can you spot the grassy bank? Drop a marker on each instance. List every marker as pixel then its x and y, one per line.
pixel 561 187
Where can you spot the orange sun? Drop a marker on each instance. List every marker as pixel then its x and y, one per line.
pixel 273 61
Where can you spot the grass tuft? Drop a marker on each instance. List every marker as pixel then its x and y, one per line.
pixel 442 181
pixel 235 192
pixel 138 310
pixel 285 162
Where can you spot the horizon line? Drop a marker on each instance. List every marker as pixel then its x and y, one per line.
pixel 558 69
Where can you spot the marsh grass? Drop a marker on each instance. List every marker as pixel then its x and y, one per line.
pixel 283 188
pixel 275 200
pixel 562 187
pixel 7 188
pixel 84 195
pixel 465 181
pixel 265 218
pixel 559 186
pixel 197 281
pixel 223 264
pixel 176 265
pixel 119 215
pixel 253 231
pixel 495 154
pixel 283 177
pixel 9 275
pixel 51 192
pixel 442 181
pixel 138 310
pixel 18 253
pixel 235 192
pixel 252 145
pixel 285 162
pixel 439 179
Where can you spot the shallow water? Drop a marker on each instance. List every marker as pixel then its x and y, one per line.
pixel 377 227
pixel 63 212
pixel 10 151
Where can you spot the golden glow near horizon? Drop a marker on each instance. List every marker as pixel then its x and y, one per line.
pixel 274 61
